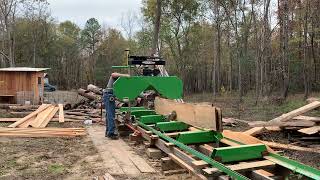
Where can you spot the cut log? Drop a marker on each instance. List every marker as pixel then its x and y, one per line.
pixel 89 95
pixel 94 89
pixel 311 130
pixel 41 108
pixel 199 115
pixel 24 107
pixel 307 118
pixel 6 106
pixel 290 147
pixel 61 113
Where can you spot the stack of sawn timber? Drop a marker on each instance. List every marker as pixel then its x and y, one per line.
pixel 294 120
pixel 39 119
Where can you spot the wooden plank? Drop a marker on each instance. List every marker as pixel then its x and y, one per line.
pixel 262 175
pixel 26 123
pixel 244 166
pixel 141 164
pixel 296 112
pixel 49 117
pixel 291 123
pixel 185 165
pixel 307 118
pixel 243 138
pixel 61 113
pixel 199 115
pixel 9 119
pixel 42 116
pixel 311 130
pixel 258 130
pixel 290 147
pixel 22 120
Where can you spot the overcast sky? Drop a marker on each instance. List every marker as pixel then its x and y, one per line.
pixel 108 12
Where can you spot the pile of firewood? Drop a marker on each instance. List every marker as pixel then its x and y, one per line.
pixel 93 95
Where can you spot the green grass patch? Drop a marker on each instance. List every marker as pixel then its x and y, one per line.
pixel 56 168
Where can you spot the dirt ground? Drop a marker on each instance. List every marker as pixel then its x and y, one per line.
pixel 77 158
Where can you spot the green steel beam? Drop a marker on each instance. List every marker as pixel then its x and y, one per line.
pixel 294 166
pixel 201 156
pixel 125 109
pixel 131 87
pixel 239 153
pixel 139 113
pixel 172 126
pixel 197 137
pixel 290 164
pixel 152 119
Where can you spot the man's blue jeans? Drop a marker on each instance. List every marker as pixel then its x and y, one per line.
pixel 109 102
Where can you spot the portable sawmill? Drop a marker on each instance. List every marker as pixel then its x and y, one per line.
pixel 208 153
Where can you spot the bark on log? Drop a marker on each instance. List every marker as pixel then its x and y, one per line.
pixel 89 95
pixel 94 89
pixel 24 107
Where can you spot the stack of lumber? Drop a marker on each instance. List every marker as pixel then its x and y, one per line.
pixel 39 119
pixel 294 120
pixel 42 132
pixel 307 128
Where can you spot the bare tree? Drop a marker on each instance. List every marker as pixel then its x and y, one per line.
pixel 156 30
pixel 8 10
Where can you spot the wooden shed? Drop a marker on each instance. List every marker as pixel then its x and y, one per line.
pixel 21 85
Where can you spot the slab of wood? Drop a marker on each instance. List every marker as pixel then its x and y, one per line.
pixel 307 118
pixel 311 130
pixel 199 115
pixel 291 147
pixel 61 113
pixel 242 138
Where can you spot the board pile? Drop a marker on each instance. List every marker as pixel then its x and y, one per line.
pixel 38 120
pixel 305 128
pixel 294 120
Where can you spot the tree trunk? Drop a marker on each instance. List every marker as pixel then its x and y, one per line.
pixel 155 42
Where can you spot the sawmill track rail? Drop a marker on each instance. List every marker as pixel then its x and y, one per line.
pixel 200 151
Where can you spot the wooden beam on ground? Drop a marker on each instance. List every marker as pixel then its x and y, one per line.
pixel 61 113
pixel 262 175
pixel 199 115
pixel 41 132
pixel 243 138
pixel 258 130
pixel 294 113
pixel 290 147
pixel 307 118
pixel 241 167
pixel 41 108
pixel 311 130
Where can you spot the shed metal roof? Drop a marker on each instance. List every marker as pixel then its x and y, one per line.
pixel 23 69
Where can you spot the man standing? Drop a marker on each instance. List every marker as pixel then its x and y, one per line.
pixel 109 101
